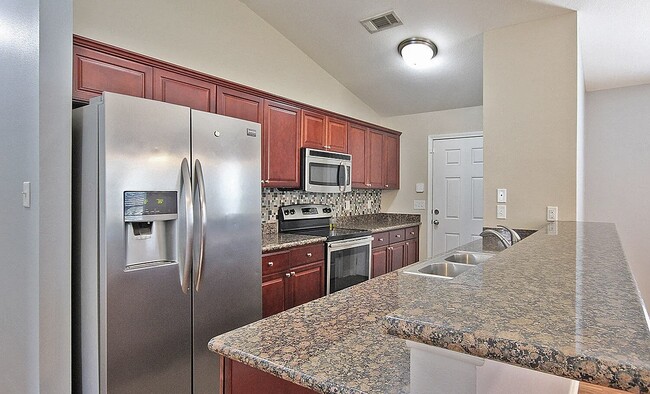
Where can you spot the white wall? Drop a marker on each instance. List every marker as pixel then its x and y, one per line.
pixel 414 155
pixel 530 78
pixel 35 75
pixel 223 38
pixel 617 168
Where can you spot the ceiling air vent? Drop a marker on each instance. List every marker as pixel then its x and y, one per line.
pixel 381 22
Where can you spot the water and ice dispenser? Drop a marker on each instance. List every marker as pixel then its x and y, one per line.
pixel 150 220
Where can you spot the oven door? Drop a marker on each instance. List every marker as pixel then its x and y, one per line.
pixel 348 263
pixel 326 172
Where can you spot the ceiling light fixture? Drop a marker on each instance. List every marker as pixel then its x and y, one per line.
pixel 417 51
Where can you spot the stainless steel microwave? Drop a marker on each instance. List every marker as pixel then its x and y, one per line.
pixel 325 172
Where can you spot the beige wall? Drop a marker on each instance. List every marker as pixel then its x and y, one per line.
pixel 617 185
pixel 530 110
pixel 219 37
pixel 414 155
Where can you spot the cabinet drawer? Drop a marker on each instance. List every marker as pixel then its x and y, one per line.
pixel 307 254
pixel 397 235
pixel 275 262
pixel 380 239
pixel 412 233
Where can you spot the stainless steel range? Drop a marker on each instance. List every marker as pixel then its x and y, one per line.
pixel 348 251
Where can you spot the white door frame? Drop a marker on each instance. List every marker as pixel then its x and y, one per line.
pixel 430 174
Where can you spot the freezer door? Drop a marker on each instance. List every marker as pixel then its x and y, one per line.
pixel 145 318
pixel 227 280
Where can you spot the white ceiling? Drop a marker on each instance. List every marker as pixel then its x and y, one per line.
pixel 614 37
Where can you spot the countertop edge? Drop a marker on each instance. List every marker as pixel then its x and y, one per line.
pixel 553 361
pixel 395 227
pixel 292 244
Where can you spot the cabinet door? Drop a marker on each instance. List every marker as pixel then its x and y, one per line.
pixel 241 379
pixel 357 148
pixel 396 256
pixel 95 72
pixel 239 105
pixel 280 145
pixel 307 283
pixel 313 131
pixel 174 88
pixel 412 252
pixel 274 294
pixel 374 150
pixel 379 261
pixel 337 135
pixel 391 161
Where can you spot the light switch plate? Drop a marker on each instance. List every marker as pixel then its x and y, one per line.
pixel 551 214
pixel 419 204
pixel 419 187
pixel 501 211
pixel 27 194
pixel 502 195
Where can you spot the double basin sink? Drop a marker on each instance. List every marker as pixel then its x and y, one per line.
pixel 449 266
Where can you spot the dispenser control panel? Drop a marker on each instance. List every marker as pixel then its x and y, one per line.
pixel 147 206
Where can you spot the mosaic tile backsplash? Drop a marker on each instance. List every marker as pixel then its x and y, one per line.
pixel 272 199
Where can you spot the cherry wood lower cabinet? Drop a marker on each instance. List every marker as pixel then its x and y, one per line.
pixel 292 277
pixel 392 250
pixel 238 378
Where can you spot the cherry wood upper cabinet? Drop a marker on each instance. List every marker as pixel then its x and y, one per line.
pixel 280 145
pixel 313 130
pixel 375 152
pixel 390 162
pixel 239 105
pixel 95 72
pixel 324 132
pixel 174 88
pixel 357 147
pixel 337 135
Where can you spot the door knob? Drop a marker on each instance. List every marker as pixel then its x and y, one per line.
pixel 436 222
pixel 435 211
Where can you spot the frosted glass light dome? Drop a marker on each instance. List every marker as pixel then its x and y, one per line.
pixel 417 51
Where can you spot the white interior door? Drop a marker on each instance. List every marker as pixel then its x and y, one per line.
pixel 457 190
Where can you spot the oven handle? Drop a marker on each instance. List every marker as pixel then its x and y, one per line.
pixel 339 245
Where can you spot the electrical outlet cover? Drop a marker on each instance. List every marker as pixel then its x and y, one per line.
pixel 552 214
pixel 419 204
pixel 502 195
pixel 501 211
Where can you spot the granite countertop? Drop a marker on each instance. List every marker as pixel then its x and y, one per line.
pixel 378 222
pixel 276 241
pixel 561 301
pixel 272 240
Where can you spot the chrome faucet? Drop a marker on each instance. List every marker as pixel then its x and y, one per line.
pixel 514 237
pixel 503 239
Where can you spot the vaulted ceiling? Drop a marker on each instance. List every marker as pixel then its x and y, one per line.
pixel 614 38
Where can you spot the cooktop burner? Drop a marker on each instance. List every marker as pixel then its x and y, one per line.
pixel 314 219
pixel 335 234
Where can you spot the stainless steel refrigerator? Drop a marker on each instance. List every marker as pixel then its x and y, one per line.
pixel 167 243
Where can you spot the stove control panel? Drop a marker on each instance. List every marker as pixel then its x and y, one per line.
pixel 305 211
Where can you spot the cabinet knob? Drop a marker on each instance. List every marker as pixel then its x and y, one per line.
pixel 381 239
pixel 412 232
pixel 293 273
pixel 262 181
pixel 287 274
pixel 386 186
pixel 308 254
pixel 407 243
pixel 398 235
pixel 270 264
pixel 368 184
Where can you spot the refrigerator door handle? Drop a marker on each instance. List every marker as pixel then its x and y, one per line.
pixel 185 258
pixel 199 185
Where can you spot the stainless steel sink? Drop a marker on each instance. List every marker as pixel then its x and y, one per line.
pixel 440 269
pixel 469 257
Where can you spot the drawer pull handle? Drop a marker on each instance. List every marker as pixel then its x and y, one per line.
pixel 270 264
pixel 293 273
pixel 381 239
pixel 412 232
pixel 398 235
pixel 309 254
pixel 287 275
